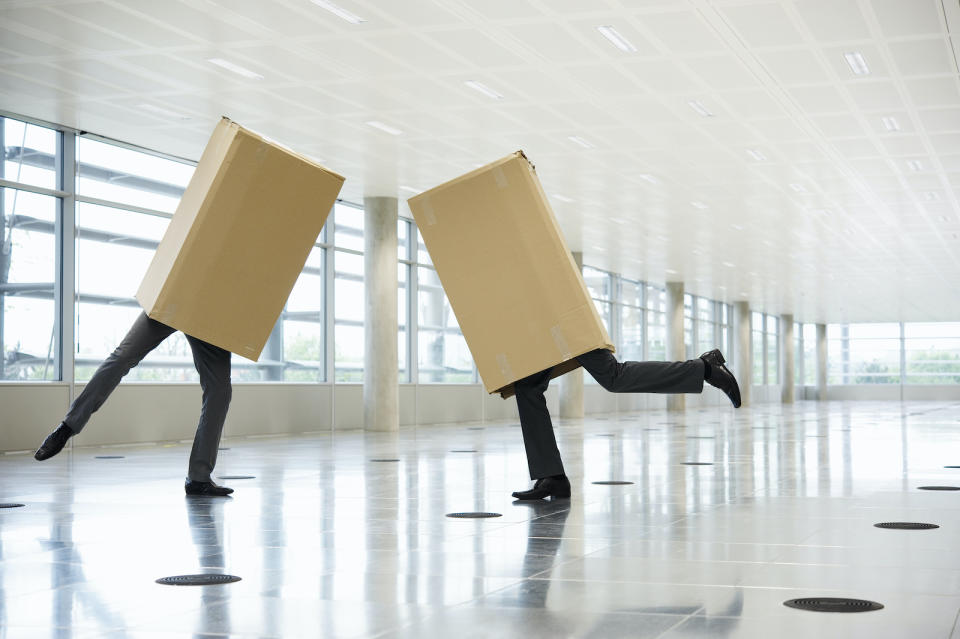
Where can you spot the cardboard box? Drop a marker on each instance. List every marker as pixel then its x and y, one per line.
pixel 519 297
pixel 238 240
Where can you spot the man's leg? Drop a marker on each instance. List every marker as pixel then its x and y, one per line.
pixel 539 440
pixel 213 364
pixel 143 337
pixel 643 377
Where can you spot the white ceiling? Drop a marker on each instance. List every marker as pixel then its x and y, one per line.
pixel 836 219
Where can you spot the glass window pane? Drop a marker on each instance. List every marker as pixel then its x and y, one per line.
pixel 631 293
pixel 349 307
pixel 30 153
pixel 348 227
pixel 423 256
pixel 810 354
pixel 598 283
pixel 657 338
pixel 302 324
pixel 403 239
pixel 443 354
pixel 631 333
pixel 27 277
pixel 109 172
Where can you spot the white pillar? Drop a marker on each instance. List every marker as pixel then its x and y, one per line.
pixel 676 347
pixel 381 391
pixel 742 346
pixel 571 384
pixel 822 362
pixel 789 362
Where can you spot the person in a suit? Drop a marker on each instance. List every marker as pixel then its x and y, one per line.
pixel 543 456
pixel 213 364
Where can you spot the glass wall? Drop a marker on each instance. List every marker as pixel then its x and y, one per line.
pixel 765 338
pixel 932 353
pixel 913 353
pixel 656 312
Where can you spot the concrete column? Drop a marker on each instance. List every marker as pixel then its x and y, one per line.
pixel 822 362
pixel 571 384
pixel 743 347
pixel 789 361
pixel 676 349
pixel 381 391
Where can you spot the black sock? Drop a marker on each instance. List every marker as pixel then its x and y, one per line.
pixel 706 370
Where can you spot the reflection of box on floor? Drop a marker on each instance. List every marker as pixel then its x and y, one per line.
pixel 517 293
pixel 239 239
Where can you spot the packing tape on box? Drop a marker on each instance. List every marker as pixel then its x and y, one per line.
pixel 500 177
pixel 428 215
pixel 505 369
pixel 561 342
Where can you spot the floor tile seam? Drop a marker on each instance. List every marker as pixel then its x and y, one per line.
pixel 819 590
pixel 681 622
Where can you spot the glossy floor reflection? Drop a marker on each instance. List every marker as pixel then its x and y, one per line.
pixel 331 544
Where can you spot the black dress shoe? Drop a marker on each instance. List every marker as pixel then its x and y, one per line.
pixel 721 377
pixel 557 486
pixel 54 442
pixel 205 488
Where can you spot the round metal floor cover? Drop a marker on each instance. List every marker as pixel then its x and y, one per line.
pixel 463 450
pixel 606 435
pixel 109 457
pixel 612 483
pixel 384 460
pixel 197 580
pixel 833 604
pixel 697 463
pixel 939 487
pixel 11 505
pixel 951 466
pixel 224 448
pixel 236 477
pixel 473 515
pixel 701 436
pixel 905 525
pixel 475 428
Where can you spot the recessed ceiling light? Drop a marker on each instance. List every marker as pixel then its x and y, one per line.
pixel 698 205
pixel 799 188
pixel 580 141
pixel 166 113
pixel 235 68
pixel 409 188
pixel 618 220
pixel 562 198
pixel 649 178
pixel 670 271
pixel 384 127
pixel 599 248
pixel 736 226
pixel 484 89
pixel 616 39
pixel 857 64
pixel 339 11
pixel 890 123
pixel 699 108
pixel 729 264
pixel 756 155
pixel 915 165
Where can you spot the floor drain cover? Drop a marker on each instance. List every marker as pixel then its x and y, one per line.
pixel 464 450
pixel 11 505
pixel 652 429
pixel 475 428
pixel 236 477
pixel 906 525
pixel 109 457
pixel 939 487
pixel 197 580
pixel 384 460
pixel 473 515
pixel 833 604
pixel 951 466
pixel 698 463
pixel 224 448
pixel 701 437
pixel 612 483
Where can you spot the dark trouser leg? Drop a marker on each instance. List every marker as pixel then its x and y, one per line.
pixel 213 364
pixel 643 377
pixel 543 456
pixel 144 336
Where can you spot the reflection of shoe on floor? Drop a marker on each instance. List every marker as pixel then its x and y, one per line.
pixel 54 442
pixel 205 488
pixel 557 486
pixel 721 377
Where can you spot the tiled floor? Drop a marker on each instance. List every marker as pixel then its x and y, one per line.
pixel 331 544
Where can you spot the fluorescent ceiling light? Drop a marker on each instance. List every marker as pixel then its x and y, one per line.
pixel 339 11
pixel 798 188
pixel 915 165
pixel 736 226
pixel 384 127
pixel 235 68
pixel 580 141
pixel 756 155
pixel 670 271
pixel 409 188
pixel 699 108
pixel 484 89
pixel 698 205
pixel 648 178
pixel 890 123
pixel 562 198
pixel 167 113
pixel 931 196
pixel 616 39
pixel 857 64
pixel 729 264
